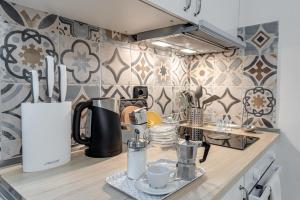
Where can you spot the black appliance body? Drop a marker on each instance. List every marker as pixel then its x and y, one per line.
pixel 105 129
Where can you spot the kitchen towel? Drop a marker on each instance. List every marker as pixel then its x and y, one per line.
pixel 264 196
pixel 272 188
pixel 274 184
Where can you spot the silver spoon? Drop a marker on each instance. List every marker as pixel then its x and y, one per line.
pixel 198 94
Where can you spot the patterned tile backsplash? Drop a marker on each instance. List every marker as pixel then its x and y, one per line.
pixel 104 63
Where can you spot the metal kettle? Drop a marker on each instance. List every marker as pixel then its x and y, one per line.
pixel 105 130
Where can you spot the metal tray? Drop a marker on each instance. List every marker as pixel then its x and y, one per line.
pixel 121 182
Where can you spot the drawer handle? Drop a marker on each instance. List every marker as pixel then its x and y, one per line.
pixel 246 197
pixel 187 5
pixel 256 174
pixel 198 7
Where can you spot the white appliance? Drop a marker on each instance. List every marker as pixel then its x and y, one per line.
pixel 46 135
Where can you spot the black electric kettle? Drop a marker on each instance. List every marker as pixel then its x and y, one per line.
pixel 105 131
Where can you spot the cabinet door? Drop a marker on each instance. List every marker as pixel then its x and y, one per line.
pixel 235 193
pixel 174 7
pixel 221 13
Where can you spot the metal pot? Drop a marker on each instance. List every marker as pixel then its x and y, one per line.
pixel 187 150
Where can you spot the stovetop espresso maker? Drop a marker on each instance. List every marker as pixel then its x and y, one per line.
pixel 187 154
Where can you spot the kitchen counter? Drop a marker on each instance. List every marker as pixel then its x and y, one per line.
pixel 84 178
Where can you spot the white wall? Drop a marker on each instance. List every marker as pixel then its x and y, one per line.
pixel 287 12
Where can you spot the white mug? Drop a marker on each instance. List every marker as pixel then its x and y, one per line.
pixel 158 176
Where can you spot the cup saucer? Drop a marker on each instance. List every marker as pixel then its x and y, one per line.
pixel 144 186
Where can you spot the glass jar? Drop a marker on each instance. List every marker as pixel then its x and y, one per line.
pixel 136 158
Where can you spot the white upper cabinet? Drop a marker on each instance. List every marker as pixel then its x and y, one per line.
pixel 223 14
pixel 178 8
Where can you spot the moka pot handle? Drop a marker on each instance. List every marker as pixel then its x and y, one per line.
pixel 206 146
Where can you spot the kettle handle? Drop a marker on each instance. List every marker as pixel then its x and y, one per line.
pixel 206 150
pixel 76 122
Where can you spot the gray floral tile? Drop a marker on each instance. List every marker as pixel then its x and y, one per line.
pixel 180 70
pixel 261 38
pixel 115 65
pixel 69 27
pixel 142 67
pixel 163 100
pixel 162 70
pixel 11 128
pixel 82 60
pixel 23 16
pixel 117 91
pixel 259 104
pixel 261 70
pixel 229 71
pixel 10 149
pixel 259 101
pixel 202 70
pixel 23 50
pixel 230 102
pixel 12 95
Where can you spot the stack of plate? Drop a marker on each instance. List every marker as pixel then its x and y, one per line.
pixel 162 134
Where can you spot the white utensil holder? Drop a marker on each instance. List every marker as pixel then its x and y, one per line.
pixel 46 135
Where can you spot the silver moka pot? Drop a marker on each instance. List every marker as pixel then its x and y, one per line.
pixel 187 154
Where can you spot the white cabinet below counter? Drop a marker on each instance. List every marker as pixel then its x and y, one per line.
pixel 248 180
pixel 235 193
pixel 223 14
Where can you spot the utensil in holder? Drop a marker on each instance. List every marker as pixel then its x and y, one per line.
pixel 46 135
pixel 195 116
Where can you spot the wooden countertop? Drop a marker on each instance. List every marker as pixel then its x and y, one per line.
pixel 84 178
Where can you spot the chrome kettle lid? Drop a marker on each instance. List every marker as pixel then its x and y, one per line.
pixel 111 104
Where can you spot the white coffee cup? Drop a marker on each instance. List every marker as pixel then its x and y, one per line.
pixel 158 176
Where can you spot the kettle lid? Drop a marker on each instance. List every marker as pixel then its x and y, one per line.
pixel 110 104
